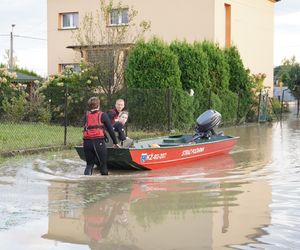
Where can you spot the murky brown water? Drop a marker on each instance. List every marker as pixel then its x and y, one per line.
pixel 246 200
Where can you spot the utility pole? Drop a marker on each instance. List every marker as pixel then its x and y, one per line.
pixel 11 57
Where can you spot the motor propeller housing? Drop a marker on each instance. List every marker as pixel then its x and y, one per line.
pixel 206 123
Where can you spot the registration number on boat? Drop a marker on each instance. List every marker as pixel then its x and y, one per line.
pixel 192 151
pixel 150 157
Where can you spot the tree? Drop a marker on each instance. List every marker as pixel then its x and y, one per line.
pixel 106 46
pixel 6 57
pixel 290 76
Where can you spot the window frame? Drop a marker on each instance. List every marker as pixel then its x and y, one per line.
pixel 74 24
pixel 118 12
pixel 74 66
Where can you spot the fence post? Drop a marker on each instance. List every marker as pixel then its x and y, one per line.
pixel 259 103
pixel 126 106
pixel 238 108
pixel 169 108
pixel 209 99
pixel 66 113
pixel 281 107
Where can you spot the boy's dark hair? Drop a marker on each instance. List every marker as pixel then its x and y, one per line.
pixel 93 103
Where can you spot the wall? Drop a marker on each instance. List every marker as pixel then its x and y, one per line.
pixel 252 26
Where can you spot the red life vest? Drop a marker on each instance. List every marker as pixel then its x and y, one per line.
pixel 93 127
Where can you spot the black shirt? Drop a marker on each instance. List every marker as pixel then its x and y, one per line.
pixel 119 128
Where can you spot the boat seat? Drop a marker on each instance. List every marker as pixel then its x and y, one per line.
pixel 174 140
pixel 169 144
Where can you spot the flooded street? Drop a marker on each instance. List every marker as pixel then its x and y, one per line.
pixel 248 199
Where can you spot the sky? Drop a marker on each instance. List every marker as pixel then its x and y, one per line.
pixel 30 32
pixel 286 30
pixel 30 19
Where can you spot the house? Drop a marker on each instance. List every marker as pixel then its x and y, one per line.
pixel 246 24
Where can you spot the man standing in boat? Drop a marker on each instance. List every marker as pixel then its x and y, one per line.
pixel 95 122
pixel 114 113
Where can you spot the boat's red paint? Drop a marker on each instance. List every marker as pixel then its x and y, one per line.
pixel 155 158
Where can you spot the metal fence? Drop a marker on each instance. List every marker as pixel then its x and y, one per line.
pixel 148 110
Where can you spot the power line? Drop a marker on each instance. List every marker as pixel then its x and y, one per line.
pixel 28 37
pixel 31 37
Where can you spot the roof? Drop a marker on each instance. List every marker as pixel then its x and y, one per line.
pixel 100 46
pixel 24 78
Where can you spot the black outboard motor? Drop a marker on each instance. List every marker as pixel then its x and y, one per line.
pixel 206 123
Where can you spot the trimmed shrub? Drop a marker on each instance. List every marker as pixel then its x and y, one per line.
pixel 217 65
pixel 239 80
pixel 193 65
pixel 229 106
pixel 14 109
pixel 149 108
pixel 183 110
pixel 152 65
pixel 157 109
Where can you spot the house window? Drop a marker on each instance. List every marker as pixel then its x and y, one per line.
pixel 69 20
pixel 119 17
pixel 75 67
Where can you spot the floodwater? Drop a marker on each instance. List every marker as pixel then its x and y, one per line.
pixel 248 199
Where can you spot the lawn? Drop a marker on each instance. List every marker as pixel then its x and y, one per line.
pixel 14 136
pixel 24 136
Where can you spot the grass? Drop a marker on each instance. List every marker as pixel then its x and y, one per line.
pixel 14 136
pixel 25 136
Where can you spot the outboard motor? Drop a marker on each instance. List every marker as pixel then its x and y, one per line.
pixel 206 123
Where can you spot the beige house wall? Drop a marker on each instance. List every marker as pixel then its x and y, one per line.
pixel 193 20
pixel 252 28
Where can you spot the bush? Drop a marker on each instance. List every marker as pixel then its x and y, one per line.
pixel 193 65
pixel 148 108
pixel 218 67
pixel 183 110
pixel 6 88
pixel 14 110
pixel 239 80
pixel 78 87
pixel 229 106
pixel 152 65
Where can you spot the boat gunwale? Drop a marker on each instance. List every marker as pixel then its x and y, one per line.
pixel 181 145
pixel 185 158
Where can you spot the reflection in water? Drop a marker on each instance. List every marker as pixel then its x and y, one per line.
pixel 245 200
pixel 192 206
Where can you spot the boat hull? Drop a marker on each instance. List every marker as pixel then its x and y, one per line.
pixel 147 157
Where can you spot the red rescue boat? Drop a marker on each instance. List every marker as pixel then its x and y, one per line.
pixel 171 150
pixel 166 151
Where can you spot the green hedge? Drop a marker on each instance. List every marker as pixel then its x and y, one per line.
pixel 152 65
pixel 239 80
pixel 193 64
pixel 217 65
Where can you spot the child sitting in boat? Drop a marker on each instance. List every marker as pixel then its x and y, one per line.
pixel 119 128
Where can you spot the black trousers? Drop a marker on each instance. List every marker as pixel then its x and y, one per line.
pixel 95 150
